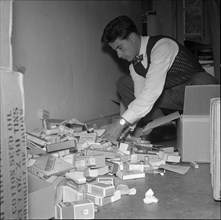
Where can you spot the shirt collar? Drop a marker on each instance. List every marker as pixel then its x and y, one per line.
pixel 143 45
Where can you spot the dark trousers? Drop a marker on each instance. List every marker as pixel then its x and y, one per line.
pixel 170 100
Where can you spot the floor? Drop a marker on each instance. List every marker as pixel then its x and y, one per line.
pixel 180 196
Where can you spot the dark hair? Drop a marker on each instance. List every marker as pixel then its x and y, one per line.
pixel 120 27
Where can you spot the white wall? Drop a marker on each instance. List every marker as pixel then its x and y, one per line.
pixel 166 16
pixel 5 35
pixel 57 44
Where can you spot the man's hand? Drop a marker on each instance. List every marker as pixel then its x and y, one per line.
pixel 113 131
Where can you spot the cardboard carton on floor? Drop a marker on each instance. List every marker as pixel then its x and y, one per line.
pixel 83 209
pixel 41 197
pixel 193 131
pixel 193 126
pixel 215 147
pixel 14 180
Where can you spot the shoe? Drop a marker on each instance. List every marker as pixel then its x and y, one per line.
pixel 161 133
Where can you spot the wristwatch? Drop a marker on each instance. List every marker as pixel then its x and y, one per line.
pixel 122 121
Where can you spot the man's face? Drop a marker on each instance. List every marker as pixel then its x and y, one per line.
pixel 126 49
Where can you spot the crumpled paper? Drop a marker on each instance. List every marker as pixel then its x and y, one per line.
pixel 149 197
pixel 124 190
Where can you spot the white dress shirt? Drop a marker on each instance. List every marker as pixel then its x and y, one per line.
pixel 147 90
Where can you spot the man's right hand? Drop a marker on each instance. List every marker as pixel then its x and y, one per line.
pixel 113 131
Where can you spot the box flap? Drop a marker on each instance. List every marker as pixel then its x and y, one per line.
pixel 197 99
pixel 35 183
pixel 162 120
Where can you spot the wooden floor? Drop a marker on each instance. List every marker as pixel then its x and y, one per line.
pixel 180 196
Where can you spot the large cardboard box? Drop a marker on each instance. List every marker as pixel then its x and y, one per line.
pixel 13 150
pixel 193 128
pixel 215 147
pixel 41 197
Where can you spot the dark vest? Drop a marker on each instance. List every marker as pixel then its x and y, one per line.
pixel 184 66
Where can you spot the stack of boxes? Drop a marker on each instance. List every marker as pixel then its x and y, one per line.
pixel 101 193
pixel 77 192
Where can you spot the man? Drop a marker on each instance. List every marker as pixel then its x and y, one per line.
pixel 159 71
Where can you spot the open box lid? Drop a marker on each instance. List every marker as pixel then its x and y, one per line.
pixel 197 99
pixel 161 120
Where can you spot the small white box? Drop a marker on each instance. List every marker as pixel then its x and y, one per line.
pixel 123 147
pixel 85 161
pixel 101 201
pixel 98 200
pixel 83 209
pixel 106 179
pixel 88 137
pixel 70 194
pixel 173 158
pixel 134 166
pixel 169 157
pixel 134 174
pixel 77 177
pixel 100 189
pixel 61 146
pixel 133 158
pixel 106 153
pixel 94 172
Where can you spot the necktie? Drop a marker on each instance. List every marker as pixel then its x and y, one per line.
pixel 138 66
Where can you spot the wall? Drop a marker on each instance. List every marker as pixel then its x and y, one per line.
pixel 5 31
pixel 57 46
pixel 166 15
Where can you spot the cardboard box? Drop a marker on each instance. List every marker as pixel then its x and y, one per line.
pixel 85 161
pixel 41 197
pixel 101 201
pixel 132 174
pixel 112 167
pixel 70 194
pixel 94 172
pixel 83 209
pixel 193 127
pixel 100 189
pixel 82 188
pixel 98 200
pixel 215 147
pixel 133 166
pixel 14 180
pixel 140 156
pixel 77 177
pixel 88 137
pixel 106 179
pixel 106 153
pixel 193 131
pixel 49 165
pixel 61 146
pixel 169 157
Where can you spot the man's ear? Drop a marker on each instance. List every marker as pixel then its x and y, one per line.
pixel 133 36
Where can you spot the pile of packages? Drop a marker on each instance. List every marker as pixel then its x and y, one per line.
pixel 88 171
